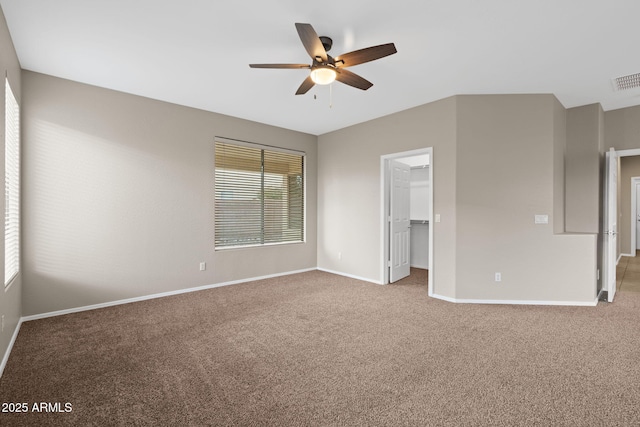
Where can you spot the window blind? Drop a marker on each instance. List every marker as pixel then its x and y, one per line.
pixel 12 186
pixel 259 195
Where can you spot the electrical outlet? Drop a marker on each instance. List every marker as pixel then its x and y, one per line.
pixel 498 277
pixel 203 266
pixel 3 323
pixel 340 256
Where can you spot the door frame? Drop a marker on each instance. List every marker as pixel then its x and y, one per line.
pixel 610 223
pixel 635 181
pixel 619 154
pixel 385 178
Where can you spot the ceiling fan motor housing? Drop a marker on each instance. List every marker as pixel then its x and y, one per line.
pixel 326 42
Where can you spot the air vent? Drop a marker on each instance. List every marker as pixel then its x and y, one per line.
pixel 626 82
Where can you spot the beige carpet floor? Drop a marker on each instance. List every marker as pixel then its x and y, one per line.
pixel 315 349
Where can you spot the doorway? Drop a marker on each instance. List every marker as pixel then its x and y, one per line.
pixel 610 249
pixel 420 163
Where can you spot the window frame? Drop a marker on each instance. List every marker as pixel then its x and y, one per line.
pixel 263 148
pixel 12 147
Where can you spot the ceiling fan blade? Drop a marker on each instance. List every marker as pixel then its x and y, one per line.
pixel 292 66
pixel 305 86
pixel 311 42
pixel 352 79
pixel 365 55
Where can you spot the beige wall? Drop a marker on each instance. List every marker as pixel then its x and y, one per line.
pixel 584 180
pixel 11 298
pixel 622 128
pixel 118 197
pixel 559 126
pixel 510 167
pixel 585 146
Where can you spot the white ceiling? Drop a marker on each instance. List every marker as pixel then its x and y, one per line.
pixel 196 52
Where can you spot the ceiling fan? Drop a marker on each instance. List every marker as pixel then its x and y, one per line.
pixel 324 68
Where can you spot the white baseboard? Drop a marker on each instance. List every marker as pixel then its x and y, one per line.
pixel 364 279
pixel 5 358
pixel 443 298
pixel 153 296
pixel 516 302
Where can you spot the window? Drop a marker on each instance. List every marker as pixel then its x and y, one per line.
pixel 11 186
pixel 259 195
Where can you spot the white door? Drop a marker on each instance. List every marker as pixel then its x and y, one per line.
pixel 400 223
pixel 610 224
pixel 637 216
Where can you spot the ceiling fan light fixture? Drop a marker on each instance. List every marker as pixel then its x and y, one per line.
pixel 325 69
pixel 323 75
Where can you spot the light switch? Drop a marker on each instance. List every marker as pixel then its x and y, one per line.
pixel 437 217
pixel 542 219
